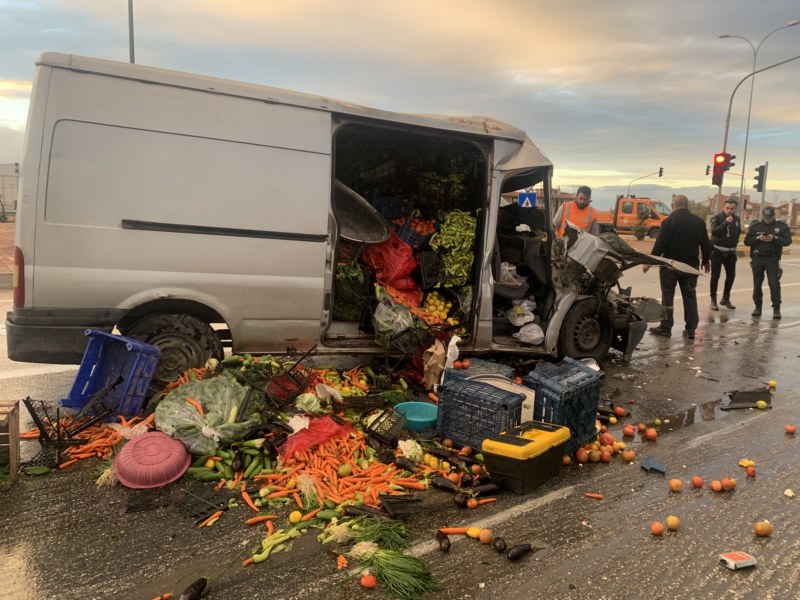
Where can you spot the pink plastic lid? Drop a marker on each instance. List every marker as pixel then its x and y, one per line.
pixel 151 460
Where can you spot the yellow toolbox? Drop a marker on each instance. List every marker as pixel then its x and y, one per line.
pixel 525 456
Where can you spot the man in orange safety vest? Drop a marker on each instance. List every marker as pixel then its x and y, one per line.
pixel 578 212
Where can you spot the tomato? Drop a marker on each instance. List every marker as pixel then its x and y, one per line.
pixel 369 582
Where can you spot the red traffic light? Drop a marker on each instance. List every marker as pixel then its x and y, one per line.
pixel 720 158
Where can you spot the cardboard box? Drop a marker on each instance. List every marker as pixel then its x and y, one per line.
pixel 9 442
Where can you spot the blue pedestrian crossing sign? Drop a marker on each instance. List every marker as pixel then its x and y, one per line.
pixel 527 199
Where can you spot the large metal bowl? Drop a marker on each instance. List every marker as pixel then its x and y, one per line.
pixel 357 219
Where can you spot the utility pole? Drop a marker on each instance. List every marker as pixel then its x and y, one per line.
pixel 130 31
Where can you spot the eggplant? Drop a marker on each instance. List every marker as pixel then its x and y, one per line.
pixel 401 462
pixel 443 483
pixel 603 419
pixel 605 411
pixel 195 591
pixel 467 480
pixel 461 499
pixel 444 541
pixel 518 551
pixel 444 454
pixel 373 443
pixel 499 544
pixel 485 489
pixel 238 461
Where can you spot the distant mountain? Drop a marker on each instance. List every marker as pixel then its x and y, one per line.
pixel 604 197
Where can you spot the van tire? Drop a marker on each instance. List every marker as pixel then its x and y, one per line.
pixel 653 233
pixel 184 340
pixel 586 330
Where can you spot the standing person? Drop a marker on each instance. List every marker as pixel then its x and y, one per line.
pixel 766 239
pixel 726 227
pixel 682 237
pixel 578 212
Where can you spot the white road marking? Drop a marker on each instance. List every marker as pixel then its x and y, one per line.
pixel 515 512
pixel 37 371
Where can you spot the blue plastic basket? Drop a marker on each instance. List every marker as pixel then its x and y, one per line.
pixel 419 415
pixel 471 411
pixel 107 358
pixel 567 395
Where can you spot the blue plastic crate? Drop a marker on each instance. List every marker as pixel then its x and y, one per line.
pixel 567 395
pixel 471 411
pixel 107 358
pixel 479 366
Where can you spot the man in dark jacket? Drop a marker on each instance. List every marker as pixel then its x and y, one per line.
pixel 683 237
pixel 725 231
pixel 767 239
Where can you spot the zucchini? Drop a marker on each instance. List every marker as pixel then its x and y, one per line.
pixel 327 515
pixel 199 462
pixel 37 470
pixel 210 476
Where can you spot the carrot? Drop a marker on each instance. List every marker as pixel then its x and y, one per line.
pixel 486 501
pixel 433 397
pixel 453 530
pixel 409 485
pixel 260 519
pixel 243 487
pixel 219 485
pixel 341 562
pixel 279 494
pixel 247 562
pixel 270 528
pixel 197 405
pixel 249 502
pixel 297 499
pixel 595 496
pixel 213 517
pixel 66 464
pixel 29 435
pixel 310 515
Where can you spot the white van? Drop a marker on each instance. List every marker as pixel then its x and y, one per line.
pixel 196 213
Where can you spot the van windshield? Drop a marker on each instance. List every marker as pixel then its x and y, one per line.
pixel 661 208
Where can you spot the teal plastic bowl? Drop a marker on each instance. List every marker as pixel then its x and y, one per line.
pixel 419 415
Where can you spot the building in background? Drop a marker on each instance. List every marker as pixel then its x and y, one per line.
pixel 9 184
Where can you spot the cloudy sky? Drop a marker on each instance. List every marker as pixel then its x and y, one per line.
pixel 610 90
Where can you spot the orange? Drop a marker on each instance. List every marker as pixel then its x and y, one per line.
pixel 715 486
pixel 650 434
pixel 676 485
pixel 673 523
pixel 657 528
pixel 698 481
pixel 763 528
pixel 790 429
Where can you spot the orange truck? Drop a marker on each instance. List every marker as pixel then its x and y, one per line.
pixel 629 211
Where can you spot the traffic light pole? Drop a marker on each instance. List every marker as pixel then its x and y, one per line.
pixel 763 189
pixel 660 173
pixel 730 106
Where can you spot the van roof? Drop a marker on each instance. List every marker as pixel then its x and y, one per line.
pixel 475 125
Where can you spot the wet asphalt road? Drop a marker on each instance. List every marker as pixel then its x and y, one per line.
pixel 60 537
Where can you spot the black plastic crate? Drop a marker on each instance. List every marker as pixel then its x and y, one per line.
pixel 471 411
pixel 386 427
pixel 567 394
pixel 412 341
pixel 392 208
pixel 430 269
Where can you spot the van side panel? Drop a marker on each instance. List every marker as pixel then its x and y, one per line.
pixel 123 150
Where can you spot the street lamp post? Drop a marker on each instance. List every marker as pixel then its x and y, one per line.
pixel 752 85
pixel 130 31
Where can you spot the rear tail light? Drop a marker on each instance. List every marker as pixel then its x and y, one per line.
pixel 18 278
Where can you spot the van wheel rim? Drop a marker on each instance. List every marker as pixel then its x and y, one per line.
pixel 178 353
pixel 587 333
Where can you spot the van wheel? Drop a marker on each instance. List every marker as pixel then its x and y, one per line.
pixel 653 233
pixel 586 331
pixel 185 342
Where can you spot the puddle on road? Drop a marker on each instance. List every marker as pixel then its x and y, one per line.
pixel 708 411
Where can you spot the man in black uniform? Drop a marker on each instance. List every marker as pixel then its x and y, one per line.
pixel 725 230
pixel 683 237
pixel 766 239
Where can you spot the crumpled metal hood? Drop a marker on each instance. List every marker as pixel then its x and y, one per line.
pixel 588 250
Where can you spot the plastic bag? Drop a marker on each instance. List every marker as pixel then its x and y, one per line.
pixel 318 432
pixel 128 432
pixel 526 303
pixel 509 275
pixel 222 400
pixel 530 334
pixel 390 318
pixel 519 316
pixel 393 262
